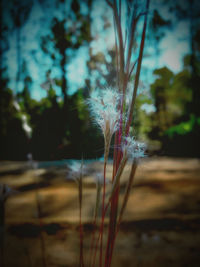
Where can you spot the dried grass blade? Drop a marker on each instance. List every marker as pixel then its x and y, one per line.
pixel 138 68
pixel 127 192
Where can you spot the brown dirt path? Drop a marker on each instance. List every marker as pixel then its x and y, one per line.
pixel 161 224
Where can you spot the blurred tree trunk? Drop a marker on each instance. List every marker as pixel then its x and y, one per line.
pixel 1 38
pixel 194 14
pixel 20 11
pixel 18 76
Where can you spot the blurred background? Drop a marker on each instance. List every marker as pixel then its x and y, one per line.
pixel 53 53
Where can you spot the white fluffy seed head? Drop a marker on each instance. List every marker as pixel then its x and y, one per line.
pixel 104 108
pixel 132 148
pixel 75 170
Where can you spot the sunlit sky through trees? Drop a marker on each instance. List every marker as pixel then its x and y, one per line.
pixel 172 47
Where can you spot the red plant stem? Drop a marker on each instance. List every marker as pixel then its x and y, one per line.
pixel 112 227
pixel 100 232
pixel 138 70
pixel 114 207
pixel 127 193
pixel 119 33
pixel 131 179
pixel 103 214
pixel 94 222
pixel 92 241
pixel 114 201
pixel 115 159
pixel 111 252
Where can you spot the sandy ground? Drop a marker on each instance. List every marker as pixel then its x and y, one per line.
pixel 161 225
